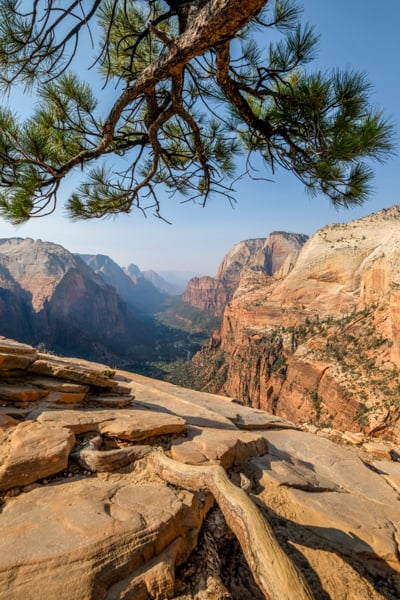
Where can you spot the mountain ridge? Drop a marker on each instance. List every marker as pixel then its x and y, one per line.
pixel 290 343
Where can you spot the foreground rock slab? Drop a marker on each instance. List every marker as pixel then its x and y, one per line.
pixel 218 407
pixel 133 425
pixel 79 539
pixel 31 451
pixel 107 481
pixel 327 487
pixel 226 448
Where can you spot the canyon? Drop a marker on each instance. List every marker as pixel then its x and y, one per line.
pixel 277 475
pixel 84 306
pixel 318 340
pixel 303 328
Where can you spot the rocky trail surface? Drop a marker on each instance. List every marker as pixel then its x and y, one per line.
pixel 116 486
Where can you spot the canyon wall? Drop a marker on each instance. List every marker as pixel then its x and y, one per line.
pixel 320 342
pixel 267 255
pixel 51 297
pixel 131 285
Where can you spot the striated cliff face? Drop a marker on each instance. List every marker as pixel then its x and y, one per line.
pixel 321 342
pixel 267 255
pixel 206 293
pixel 15 307
pixel 38 267
pixel 50 296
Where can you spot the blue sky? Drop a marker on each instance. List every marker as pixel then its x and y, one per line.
pixel 356 34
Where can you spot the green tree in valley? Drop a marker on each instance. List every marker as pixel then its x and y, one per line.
pixel 186 87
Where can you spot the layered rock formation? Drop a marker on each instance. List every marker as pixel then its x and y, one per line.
pixel 279 250
pixel 257 509
pixel 51 297
pixel 319 342
pixel 131 285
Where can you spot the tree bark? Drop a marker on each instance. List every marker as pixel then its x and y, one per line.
pixel 275 574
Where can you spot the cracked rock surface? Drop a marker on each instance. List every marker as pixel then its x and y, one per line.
pixel 115 486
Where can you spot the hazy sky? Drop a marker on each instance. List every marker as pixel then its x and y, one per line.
pixel 355 34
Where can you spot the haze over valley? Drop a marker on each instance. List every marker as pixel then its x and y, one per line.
pixel 299 338
pixel 274 327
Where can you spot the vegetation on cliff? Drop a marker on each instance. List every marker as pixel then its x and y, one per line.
pixel 352 346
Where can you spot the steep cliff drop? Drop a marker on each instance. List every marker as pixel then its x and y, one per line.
pixel 320 342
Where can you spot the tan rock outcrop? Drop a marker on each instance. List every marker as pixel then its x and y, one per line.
pixel 206 293
pixel 133 425
pixel 14 355
pixel 107 503
pixel 226 448
pixel 325 494
pixel 105 531
pixel 31 451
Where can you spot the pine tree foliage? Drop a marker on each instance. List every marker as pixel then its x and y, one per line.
pixel 190 85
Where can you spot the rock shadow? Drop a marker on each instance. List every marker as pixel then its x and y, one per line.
pixel 359 555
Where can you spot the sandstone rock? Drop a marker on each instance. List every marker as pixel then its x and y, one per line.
pixel 52 384
pixel 156 579
pixel 14 355
pixel 378 449
pixel 109 401
pixel 6 421
pixel 70 398
pixel 335 315
pixel 141 425
pixel 8 363
pixel 10 410
pixel 353 438
pixel 158 399
pixel 270 255
pixel 12 347
pixel 310 428
pixel 21 393
pixel 82 537
pixel 80 373
pixel 123 532
pixel 133 425
pixel 226 448
pixel 390 471
pixel 211 409
pixel 206 293
pixel 326 488
pixel 31 451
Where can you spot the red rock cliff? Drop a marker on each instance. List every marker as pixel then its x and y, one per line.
pixel 267 255
pixel 322 342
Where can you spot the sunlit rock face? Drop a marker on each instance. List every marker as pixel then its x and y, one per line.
pixel 319 342
pixel 89 510
pixel 266 255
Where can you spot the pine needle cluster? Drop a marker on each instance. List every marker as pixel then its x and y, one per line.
pixel 190 87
